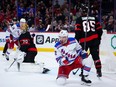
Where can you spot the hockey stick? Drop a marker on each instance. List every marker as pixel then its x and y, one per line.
pixel 10 65
pixel 18 66
pixel 87 15
pixel 74 73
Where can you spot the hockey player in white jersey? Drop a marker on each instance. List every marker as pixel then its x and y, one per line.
pixel 69 55
pixel 12 34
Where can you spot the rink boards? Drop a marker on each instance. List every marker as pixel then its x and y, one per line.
pixel 45 42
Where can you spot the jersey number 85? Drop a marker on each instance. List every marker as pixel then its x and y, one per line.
pixel 88 26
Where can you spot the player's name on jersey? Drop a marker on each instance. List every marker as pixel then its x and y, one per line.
pixel 85 18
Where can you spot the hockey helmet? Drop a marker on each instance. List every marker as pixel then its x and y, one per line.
pixel 23 24
pixel 14 19
pixel 84 9
pixel 63 33
pixel 22 20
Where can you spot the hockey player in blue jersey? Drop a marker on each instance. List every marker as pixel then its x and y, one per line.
pixel 69 55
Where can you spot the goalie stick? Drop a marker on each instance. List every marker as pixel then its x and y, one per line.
pixel 10 65
pixel 18 66
pixel 86 24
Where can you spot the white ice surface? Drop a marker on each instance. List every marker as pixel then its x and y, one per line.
pixel 12 78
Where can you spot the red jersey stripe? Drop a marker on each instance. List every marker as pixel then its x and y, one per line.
pixel 100 27
pixel 89 38
pixel 32 49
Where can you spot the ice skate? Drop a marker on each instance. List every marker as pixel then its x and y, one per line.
pixel 81 74
pixel 85 80
pixel 45 70
pixel 6 56
pixel 99 73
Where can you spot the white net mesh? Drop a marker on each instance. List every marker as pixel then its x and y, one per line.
pixel 108 59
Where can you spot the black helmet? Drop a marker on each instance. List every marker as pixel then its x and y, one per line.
pixel 84 8
pixel 14 19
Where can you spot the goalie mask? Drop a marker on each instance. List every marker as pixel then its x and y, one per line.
pixel 63 36
pixel 22 20
pixel 23 25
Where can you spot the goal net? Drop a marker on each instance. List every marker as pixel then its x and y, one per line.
pixel 107 56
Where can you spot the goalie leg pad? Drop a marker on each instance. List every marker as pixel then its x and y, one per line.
pixel 20 57
pixel 9 54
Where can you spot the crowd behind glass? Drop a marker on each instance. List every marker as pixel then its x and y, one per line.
pixel 52 15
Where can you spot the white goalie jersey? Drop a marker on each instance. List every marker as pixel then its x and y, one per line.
pixel 68 52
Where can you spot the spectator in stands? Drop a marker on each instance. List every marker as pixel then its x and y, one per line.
pixel 41 26
pixel 57 5
pixel 0 28
pixel 32 28
pixel 59 26
pixel 21 10
pixel 110 26
pixel 31 10
pixel 47 11
pixel 30 19
pixel 1 17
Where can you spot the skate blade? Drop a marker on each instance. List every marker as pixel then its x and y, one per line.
pixel 86 84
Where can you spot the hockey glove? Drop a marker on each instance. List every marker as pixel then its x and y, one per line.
pixel 84 54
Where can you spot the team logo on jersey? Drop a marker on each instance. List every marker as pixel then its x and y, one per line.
pixel 39 39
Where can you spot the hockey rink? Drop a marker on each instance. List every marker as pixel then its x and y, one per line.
pixel 32 78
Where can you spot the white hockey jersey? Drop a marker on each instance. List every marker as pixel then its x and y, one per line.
pixel 68 52
pixel 14 31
